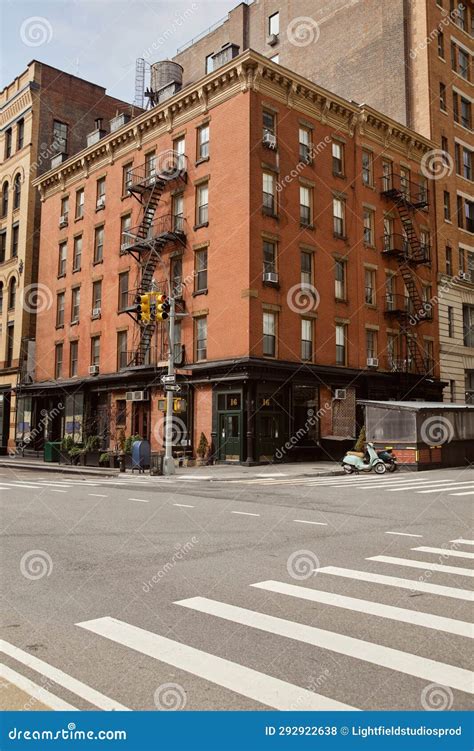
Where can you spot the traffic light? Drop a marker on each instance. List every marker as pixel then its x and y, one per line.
pixel 144 312
pixel 162 307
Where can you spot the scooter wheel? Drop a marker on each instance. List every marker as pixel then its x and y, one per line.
pixel 392 467
pixel 380 468
pixel 347 469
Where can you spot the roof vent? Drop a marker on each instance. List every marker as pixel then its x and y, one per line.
pixel 96 134
pixel 119 120
pixel 225 55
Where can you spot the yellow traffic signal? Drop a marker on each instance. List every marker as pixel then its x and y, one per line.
pixel 162 307
pixel 144 306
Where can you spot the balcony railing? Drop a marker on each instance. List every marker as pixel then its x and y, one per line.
pixel 398 187
pixel 398 304
pixel 166 166
pixel 155 357
pixel 164 228
pixel 398 245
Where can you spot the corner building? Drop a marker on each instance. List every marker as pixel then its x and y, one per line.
pixel 296 230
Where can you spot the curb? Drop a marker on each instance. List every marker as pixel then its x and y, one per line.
pixel 53 467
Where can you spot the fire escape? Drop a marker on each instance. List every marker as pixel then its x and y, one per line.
pixel 146 242
pixel 410 252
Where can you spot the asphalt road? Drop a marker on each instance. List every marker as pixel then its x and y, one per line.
pixel 154 593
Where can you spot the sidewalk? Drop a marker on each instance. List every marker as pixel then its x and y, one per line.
pixel 218 472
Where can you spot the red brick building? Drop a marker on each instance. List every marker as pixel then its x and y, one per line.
pixel 296 231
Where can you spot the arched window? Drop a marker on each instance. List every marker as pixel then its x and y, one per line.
pixel 5 198
pixel 1 297
pixel 12 294
pixel 16 191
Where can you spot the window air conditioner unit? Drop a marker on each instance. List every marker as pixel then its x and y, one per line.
pixel 95 312
pixel 372 362
pixel 136 396
pixel 271 277
pixel 272 39
pixel 466 275
pixel 340 394
pixel 63 221
pixel 93 369
pixel 269 140
pixel 100 202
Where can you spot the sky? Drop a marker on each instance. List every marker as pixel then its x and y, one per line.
pixel 99 40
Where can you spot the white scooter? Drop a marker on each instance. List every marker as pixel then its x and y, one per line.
pixel 355 461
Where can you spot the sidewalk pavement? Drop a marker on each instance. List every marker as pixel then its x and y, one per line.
pixel 216 472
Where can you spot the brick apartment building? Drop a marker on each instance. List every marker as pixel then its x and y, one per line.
pixel 281 229
pixel 45 115
pixel 411 61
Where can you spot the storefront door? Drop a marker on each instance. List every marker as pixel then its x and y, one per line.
pixel 230 436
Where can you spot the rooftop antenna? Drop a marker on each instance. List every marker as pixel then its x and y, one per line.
pixel 139 82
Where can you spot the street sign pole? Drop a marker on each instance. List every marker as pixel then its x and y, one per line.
pixel 168 465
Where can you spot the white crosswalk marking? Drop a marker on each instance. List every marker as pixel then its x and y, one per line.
pixel 458 486
pixel 461 541
pixel 446 552
pixel 402 662
pixel 469 492
pixel 423 565
pixel 262 688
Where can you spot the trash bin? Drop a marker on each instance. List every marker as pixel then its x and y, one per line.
pixel 140 455
pixel 52 451
pixel 156 464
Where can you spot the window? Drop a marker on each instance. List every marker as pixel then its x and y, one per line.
pixel 179 148
pixel 305 145
pixel 75 304
pixel 370 287
pixel 461 110
pixel 79 203
pixel 391 351
pixel 20 134
pixel 305 206
pixel 202 204
pixel 16 192
pixel 269 257
pixel 10 343
pixel 274 24
pixel 269 334
pixel 8 143
pixel 96 296
pixel 340 280
pixel 123 290
pixel 15 237
pixel 369 227
pixel 468 325
pixel 469 215
pixel 73 357
pixel 387 172
pixel 269 122
pixel 442 97
pixel 200 270
pixel 122 357
pixel 459 60
pixel 371 343
pixel 177 276
pixel 77 253
pixel 100 203
pixel 450 321
pixel 447 206
pixel 337 158
pixel 58 360
pixel 3 245
pixel 150 164
pixel 12 294
pixel 449 260
pixel 275 59
pixel 459 14
pixel 209 63
pixel 99 244
pixel 121 412
pixel 338 211
pixel 405 182
pixel 445 149
pixel 200 338
pixel 441 44
pixel 60 137
pixel 95 350
pixel 5 199
pixel 269 194
pixel 340 344
pixel 387 233
pixel 203 142
pixel 64 207
pixel 1 298
pixel 62 260
pixel 463 160
pixel 306 339
pixel 127 178
pixel 125 226
pixel 306 269
pixel 469 379
pixel 178 212
pixel 367 167
pixel 60 304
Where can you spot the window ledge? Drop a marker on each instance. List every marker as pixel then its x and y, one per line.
pixel 76 271
pixel 200 292
pixel 200 226
pixel 339 237
pixel 270 214
pixel 340 175
pixel 342 300
pixel 74 323
pixel 303 225
pixel 61 276
pixel 59 326
pixel 78 219
pixel 201 160
pixel 97 263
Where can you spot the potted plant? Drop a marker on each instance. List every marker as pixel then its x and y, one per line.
pixel 202 450
pixel 67 444
pixel 92 450
pixel 75 453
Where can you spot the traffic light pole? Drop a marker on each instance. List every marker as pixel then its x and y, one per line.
pixel 168 465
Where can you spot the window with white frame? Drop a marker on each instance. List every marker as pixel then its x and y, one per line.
pixel 340 280
pixel 269 334
pixel 341 343
pixel 370 287
pixel 306 339
pixel 338 209
pixel 268 197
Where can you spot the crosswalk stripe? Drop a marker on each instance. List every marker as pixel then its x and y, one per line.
pixel 62 679
pixel 426 484
pixel 403 534
pixel 244 513
pixel 394 581
pixel 422 564
pixel 420 484
pixel 394 659
pixel 260 687
pixel 141 500
pixel 469 492
pixel 462 541
pixel 403 615
pixel 446 552
pixel 305 521
pixel 459 486
pixel 36 692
